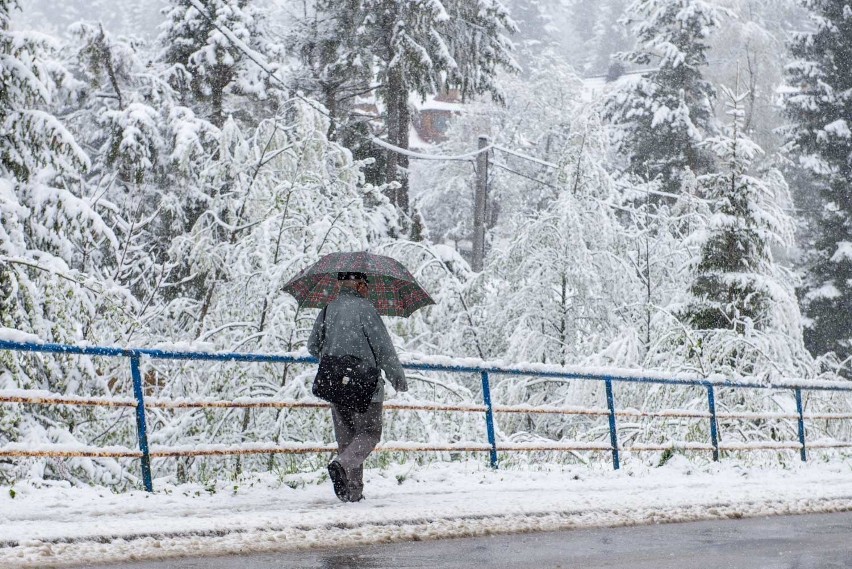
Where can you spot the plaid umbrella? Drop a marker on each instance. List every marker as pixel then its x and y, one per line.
pixel 393 290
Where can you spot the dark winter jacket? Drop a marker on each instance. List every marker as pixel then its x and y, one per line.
pixel 354 328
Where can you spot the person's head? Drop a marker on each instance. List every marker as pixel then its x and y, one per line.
pixel 355 281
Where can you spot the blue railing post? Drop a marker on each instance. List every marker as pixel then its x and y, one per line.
pixel 489 418
pixel 613 434
pixel 714 425
pixel 799 410
pixel 141 426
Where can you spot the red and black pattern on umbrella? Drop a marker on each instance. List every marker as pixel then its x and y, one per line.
pixel 393 290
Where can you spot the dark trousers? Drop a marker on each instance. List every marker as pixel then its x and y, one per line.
pixel 357 435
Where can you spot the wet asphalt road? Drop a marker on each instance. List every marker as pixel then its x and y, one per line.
pixel 822 541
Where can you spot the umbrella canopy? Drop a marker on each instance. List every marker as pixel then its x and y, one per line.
pixel 393 290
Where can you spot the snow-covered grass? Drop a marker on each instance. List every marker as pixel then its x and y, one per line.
pixel 46 524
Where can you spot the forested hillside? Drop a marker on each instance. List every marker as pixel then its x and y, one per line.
pixel 667 190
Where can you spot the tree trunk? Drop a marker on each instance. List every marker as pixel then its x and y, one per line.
pixel 398 118
pixel 217 117
pixel 402 142
pixel 392 123
pixel 330 96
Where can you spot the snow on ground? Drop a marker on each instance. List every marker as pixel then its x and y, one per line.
pixel 52 524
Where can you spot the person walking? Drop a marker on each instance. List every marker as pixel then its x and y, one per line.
pixel 354 288
pixel 350 325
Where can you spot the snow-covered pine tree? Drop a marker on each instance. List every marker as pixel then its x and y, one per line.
pixel 56 253
pixel 164 165
pixel 206 61
pixel 335 70
pixel 820 138
pixel 741 303
pixel 123 90
pixel 661 118
pixel 537 31
pixel 734 284
pixel 146 153
pixel 585 35
pixel 584 17
pixel 32 138
pixel 608 38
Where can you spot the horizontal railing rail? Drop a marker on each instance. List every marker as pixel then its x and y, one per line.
pixel 485 370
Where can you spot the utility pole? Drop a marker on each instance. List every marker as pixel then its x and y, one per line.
pixel 479 205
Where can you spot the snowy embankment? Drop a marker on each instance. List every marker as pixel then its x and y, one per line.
pixel 53 524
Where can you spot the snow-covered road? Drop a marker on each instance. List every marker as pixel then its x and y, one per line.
pixel 54 525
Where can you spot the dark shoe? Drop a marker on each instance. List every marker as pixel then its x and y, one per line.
pixel 338 478
pixel 358 498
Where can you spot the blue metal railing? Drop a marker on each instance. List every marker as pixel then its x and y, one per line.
pixel 485 371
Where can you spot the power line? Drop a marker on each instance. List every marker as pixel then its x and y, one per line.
pixel 525 157
pixel 506 168
pixel 468 157
pixel 600 201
